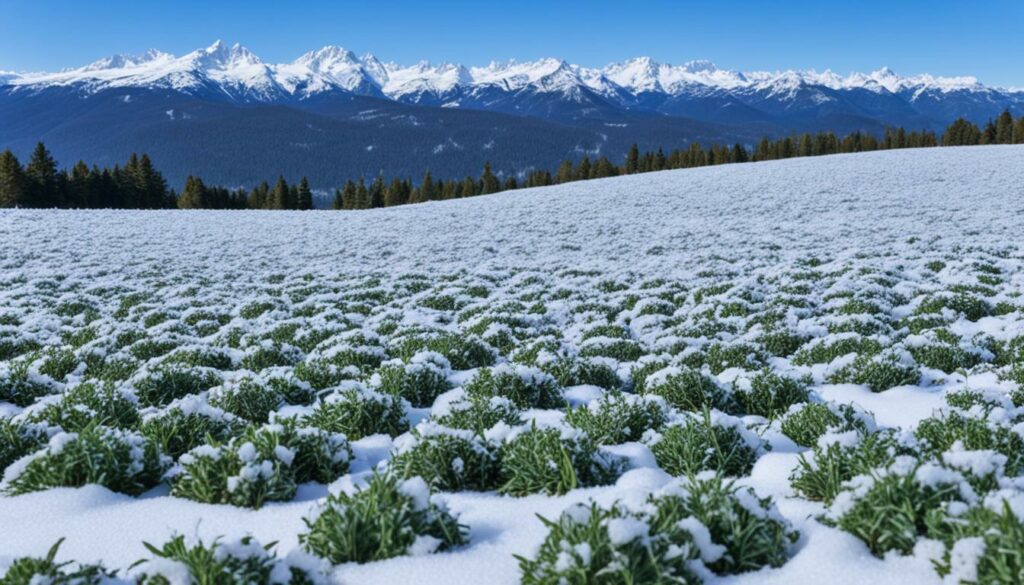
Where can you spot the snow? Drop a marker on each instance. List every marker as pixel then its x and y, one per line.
pixel 241 75
pixel 884 211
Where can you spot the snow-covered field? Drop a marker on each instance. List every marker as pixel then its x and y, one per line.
pixel 885 281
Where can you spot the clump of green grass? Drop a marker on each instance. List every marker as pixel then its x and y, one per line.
pixel 591 545
pixel 246 397
pixel 164 384
pixel 879 372
pixel 121 461
pixel 476 413
pixel 617 418
pixel 891 508
pixel 706 441
pixel 420 381
pixel 186 424
pixel 746 532
pixel 826 350
pixel 448 459
pixel 89 404
pixel 554 461
pixel 46 570
pixel 985 544
pixel 526 387
pixel 580 371
pixel 722 356
pixel 463 352
pixel 769 394
pixel 688 389
pixel 19 387
pixel 242 561
pixel 623 350
pixel 19 438
pixel 806 423
pixel 389 517
pixel 358 412
pixel 839 457
pixel 938 434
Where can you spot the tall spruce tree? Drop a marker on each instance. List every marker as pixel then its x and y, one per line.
pixel 12 181
pixel 488 181
pixel 41 175
pixel 193 196
pixel 304 199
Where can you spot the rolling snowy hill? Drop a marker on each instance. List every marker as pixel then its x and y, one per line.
pixel 912 256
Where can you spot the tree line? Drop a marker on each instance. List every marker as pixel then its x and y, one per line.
pixel 138 185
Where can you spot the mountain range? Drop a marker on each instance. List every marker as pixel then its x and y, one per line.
pixel 225 114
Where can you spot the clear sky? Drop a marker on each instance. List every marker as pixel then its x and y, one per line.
pixel 942 37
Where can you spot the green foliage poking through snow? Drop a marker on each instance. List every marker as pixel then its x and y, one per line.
pixel 389 517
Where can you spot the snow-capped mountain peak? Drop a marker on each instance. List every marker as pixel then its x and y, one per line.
pixel 234 72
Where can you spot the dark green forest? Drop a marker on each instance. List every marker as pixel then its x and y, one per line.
pixel 137 184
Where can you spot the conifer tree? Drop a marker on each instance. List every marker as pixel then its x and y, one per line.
pixel 565 172
pixel 304 199
pixel 488 182
pixel 194 194
pixel 362 199
pixel 377 192
pixel 633 159
pixel 279 196
pixel 583 170
pixel 339 201
pixel 1004 128
pixel 12 181
pixel 395 195
pixel 41 175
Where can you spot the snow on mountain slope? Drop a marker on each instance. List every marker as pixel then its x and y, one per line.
pixel 868 224
pixel 244 76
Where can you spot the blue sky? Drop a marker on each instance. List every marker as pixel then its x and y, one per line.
pixel 942 37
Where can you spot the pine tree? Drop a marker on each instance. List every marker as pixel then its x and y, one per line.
pixel 279 196
pixel 304 199
pixel 194 194
pixel 633 159
pixel 488 182
pixel 12 181
pixel 377 191
pixel 510 183
pixel 426 191
pixel 362 198
pixel 564 173
pixel 339 201
pixel 583 170
pixel 395 195
pixel 1004 128
pixel 41 176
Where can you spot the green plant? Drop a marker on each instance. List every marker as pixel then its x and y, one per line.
pixel 462 352
pixel 246 397
pixel 839 457
pixel 806 423
pixel 448 459
pixel 526 387
pixel 389 517
pixel 357 412
pixel 617 418
pixel 186 424
pixel 89 404
pixel 553 461
pixel 242 561
pixel 590 545
pixel 46 570
pixel 19 438
pixel 163 384
pixel 706 441
pixel 236 473
pixel 888 508
pixel 121 461
pixel 688 389
pixel 878 372
pixel 476 413
pixel 420 381
pixel 768 394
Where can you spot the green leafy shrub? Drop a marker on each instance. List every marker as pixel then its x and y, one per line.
pixel 590 545
pixel 462 352
pixel 164 384
pixel 768 394
pixel 389 517
pixel 889 508
pixel 420 381
pixel 688 389
pixel 838 458
pixel 246 397
pixel 617 418
pixel 553 461
pixel 826 349
pixel 475 413
pixel 242 561
pixel 321 375
pixel 806 423
pixel 186 424
pixel 448 459
pixel 526 387
pixel 46 570
pixel 721 356
pixel 121 461
pixel 358 412
pixel 707 441
pixel 747 532
pixel 623 350
pixel 879 372
pixel 88 404
pixel 19 438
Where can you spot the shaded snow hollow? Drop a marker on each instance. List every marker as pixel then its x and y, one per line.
pixel 748 219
